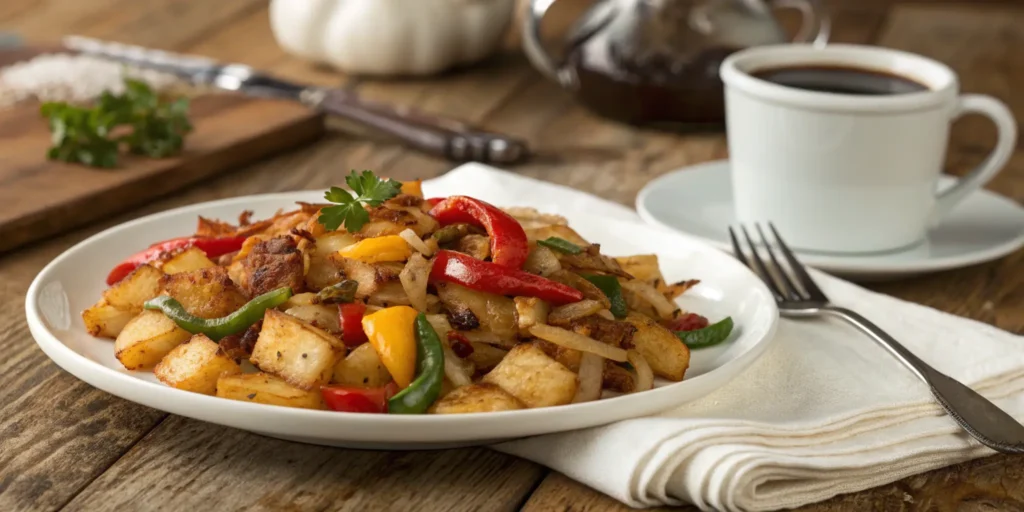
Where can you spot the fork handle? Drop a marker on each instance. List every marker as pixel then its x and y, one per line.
pixel 981 418
pixel 447 138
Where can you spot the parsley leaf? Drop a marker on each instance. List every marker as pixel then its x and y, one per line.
pixel 349 210
pixel 146 124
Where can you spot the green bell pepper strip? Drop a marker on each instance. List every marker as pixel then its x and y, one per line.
pixel 613 290
pixel 423 391
pixel 217 328
pixel 708 336
pixel 342 292
pixel 560 245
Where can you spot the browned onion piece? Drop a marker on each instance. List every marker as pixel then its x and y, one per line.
pixel 542 261
pixel 563 315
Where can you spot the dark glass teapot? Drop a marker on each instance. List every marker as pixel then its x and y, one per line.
pixel 656 61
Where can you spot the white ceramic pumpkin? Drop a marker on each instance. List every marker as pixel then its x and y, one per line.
pixel 391 37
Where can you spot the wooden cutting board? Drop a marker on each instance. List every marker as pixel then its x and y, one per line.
pixel 39 198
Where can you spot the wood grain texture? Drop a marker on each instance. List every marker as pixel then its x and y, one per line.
pixel 63 442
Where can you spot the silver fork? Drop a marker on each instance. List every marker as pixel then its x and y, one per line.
pixel 798 296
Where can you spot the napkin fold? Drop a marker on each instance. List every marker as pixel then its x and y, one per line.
pixel 825 411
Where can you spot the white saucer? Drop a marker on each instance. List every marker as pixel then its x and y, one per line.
pixel 697 200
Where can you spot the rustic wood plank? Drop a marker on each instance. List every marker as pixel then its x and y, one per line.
pixel 187 464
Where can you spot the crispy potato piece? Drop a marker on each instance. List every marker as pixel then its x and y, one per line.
pixel 325 266
pixel 105 321
pixel 361 369
pixel 264 388
pixel 294 350
pixel 188 260
pixel 146 339
pixel 476 398
pixel 530 311
pixel 668 356
pixel 195 366
pixel 136 288
pixel 642 266
pixel 321 316
pixel 528 374
pixel 205 292
pixel 495 313
pixel 561 231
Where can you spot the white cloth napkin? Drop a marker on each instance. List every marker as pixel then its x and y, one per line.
pixel 824 412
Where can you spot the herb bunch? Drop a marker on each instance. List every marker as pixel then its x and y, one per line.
pixel 137 120
pixel 349 210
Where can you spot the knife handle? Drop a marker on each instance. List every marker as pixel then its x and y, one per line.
pixel 448 138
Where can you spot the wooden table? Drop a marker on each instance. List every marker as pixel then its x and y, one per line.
pixel 64 444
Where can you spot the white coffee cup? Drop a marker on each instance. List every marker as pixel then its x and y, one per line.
pixel 843 172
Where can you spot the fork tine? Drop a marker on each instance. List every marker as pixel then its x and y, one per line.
pixel 801 273
pixel 766 276
pixel 736 248
pixel 789 288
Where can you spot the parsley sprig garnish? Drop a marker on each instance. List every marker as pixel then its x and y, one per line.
pixel 349 210
pixel 137 120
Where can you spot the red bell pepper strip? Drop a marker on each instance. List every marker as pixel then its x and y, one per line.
pixel 465 270
pixel 350 316
pixel 370 400
pixel 509 246
pixel 434 200
pixel 213 247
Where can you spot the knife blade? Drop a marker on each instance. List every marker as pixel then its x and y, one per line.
pixel 450 138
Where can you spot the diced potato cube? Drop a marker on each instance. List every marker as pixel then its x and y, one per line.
pixel 476 398
pixel 146 339
pixel 188 260
pixel 195 366
pixel 668 356
pixel 206 292
pixel 294 350
pixel 641 266
pixel 135 289
pixel 530 311
pixel 537 380
pixel 104 320
pixel 361 369
pixel 263 388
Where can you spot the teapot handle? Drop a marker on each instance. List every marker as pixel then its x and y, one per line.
pixel 814 15
pixel 532 43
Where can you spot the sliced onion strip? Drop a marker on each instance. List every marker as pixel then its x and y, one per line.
pixel 591 371
pixel 569 339
pixel 644 374
pixel 416 242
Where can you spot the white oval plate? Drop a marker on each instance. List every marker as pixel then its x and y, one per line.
pixel 74 281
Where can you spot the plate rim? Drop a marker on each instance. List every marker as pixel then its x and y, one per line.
pixel 170 399
pixel 838 263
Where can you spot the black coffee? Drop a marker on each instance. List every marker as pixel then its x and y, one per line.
pixel 840 80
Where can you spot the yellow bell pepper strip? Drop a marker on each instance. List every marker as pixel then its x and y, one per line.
pixel 379 249
pixel 423 391
pixel 392 335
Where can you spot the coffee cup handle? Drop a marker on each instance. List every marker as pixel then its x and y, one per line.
pixel 814 15
pixel 1006 125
